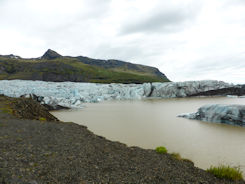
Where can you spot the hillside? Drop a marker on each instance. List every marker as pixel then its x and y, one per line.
pixel 57 68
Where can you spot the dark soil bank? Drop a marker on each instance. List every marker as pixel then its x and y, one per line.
pixel 34 151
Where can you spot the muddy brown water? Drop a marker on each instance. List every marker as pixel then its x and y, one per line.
pixel 152 123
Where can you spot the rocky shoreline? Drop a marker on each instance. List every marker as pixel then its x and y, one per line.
pixel 40 149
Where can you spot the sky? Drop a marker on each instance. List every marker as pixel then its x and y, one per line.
pixel 184 39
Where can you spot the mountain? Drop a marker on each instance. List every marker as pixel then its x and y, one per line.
pixel 55 67
pixel 50 54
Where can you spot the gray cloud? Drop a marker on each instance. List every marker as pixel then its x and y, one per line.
pixel 56 26
pixel 162 19
pixel 235 2
pixel 186 40
pixel 108 51
pixel 219 68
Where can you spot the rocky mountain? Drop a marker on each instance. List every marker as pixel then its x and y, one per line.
pixel 55 67
pixel 50 54
pixel 11 56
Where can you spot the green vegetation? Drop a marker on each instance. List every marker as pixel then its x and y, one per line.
pixel 5 107
pixel 42 119
pixel 226 172
pixel 161 150
pixel 176 156
pixel 187 160
pixel 6 110
pixel 74 69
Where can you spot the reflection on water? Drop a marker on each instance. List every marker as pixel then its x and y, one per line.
pixel 151 123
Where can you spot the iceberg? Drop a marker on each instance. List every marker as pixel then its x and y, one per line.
pixel 219 113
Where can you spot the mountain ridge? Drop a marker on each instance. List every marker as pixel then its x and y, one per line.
pixel 52 66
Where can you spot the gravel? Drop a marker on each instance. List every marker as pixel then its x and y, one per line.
pixel 38 152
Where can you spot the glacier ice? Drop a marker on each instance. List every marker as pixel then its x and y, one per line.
pixel 74 94
pixel 220 113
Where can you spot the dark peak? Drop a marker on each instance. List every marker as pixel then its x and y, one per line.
pixel 11 56
pixel 50 54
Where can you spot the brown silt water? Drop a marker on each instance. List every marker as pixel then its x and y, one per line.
pixel 152 123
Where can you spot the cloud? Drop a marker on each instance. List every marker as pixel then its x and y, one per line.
pixel 235 2
pixel 161 19
pixel 164 21
pixel 59 24
pixel 185 39
pixel 228 68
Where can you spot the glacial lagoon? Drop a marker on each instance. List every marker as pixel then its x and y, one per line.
pixel 154 122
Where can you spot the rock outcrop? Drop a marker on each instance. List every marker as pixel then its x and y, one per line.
pixel 228 114
pixel 50 54
pixel 25 108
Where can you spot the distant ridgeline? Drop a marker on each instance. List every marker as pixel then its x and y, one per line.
pixel 57 68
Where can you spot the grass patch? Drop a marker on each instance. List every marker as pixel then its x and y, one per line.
pixel 176 156
pixel 42 119
pixel 6 110
pixel 226 172
pixel 187 160
pixel 161 150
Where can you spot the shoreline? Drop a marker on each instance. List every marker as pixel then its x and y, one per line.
pixel 31 148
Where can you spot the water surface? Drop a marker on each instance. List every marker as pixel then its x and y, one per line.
pixel 152 123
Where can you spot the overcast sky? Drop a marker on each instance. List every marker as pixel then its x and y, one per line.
pixel 185 39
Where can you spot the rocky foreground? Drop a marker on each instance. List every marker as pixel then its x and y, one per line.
pixel 34 150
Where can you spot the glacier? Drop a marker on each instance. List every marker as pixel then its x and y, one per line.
pixel 75 94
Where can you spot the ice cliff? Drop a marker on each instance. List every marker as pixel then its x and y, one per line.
pixel 228 114
pixel 73 95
